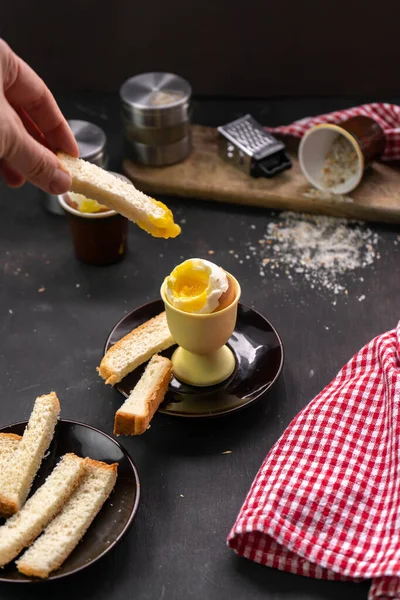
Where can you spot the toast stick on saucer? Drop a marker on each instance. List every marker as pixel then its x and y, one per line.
pixel 135 348
pixel 135 414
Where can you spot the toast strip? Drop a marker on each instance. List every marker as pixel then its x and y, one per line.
pixel 63 534
pixel 23 527
pixel 8 445
pixel 17 475
pixel 135 348
pixel 111 191
pixel 135 414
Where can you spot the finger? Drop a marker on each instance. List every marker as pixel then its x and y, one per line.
pixel 11 177
pixel 36 163
pixel 31 127
pixel 25 89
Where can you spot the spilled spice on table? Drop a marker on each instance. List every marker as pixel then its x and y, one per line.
pixel 318 249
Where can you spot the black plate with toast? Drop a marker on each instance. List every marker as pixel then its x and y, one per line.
pixel 118 511
pixel 259 356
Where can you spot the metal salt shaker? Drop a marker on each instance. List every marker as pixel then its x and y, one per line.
pixel 155 110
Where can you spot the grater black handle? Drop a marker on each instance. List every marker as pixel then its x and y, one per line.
pixel 272 165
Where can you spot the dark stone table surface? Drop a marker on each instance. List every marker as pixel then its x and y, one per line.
pixel 191 491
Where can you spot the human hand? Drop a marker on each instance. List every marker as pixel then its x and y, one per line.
pixel 30 120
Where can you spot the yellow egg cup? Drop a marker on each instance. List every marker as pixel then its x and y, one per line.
pixel 202 358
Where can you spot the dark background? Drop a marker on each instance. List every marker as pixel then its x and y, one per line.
pixel 253 48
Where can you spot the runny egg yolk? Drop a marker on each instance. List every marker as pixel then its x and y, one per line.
pixel 162 226
pixel 190 285
pixel 91 206
pixel 86 205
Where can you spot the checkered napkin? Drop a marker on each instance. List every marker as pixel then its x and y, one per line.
pixel 386 115
pixel 326 501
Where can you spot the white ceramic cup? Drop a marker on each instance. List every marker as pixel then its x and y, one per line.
pixel 313 149
pixel 63 200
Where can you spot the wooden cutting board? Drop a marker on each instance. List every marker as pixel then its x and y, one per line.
pixel 204 175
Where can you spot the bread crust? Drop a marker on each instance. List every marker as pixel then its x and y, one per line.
pixel 7 507
pixel 54 398
pixel 32 572
pixel 106 372
pixel 126 423
pixel 97 464
pixel 11 436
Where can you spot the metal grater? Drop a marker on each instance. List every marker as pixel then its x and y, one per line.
pixel 245 144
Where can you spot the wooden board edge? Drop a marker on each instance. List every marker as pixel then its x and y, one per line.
pixel 339 208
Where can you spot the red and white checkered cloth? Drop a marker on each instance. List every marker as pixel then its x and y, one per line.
pixel 326 501
pixel 386 115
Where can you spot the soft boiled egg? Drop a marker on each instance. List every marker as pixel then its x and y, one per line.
pixel 197 286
